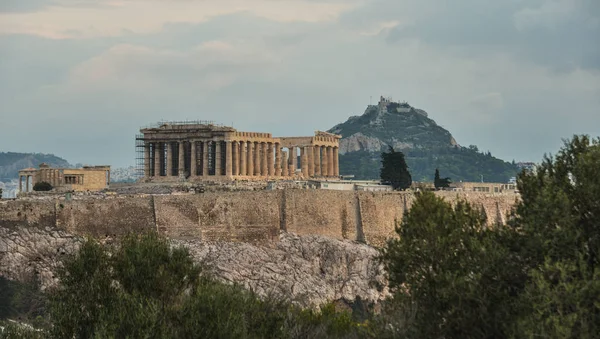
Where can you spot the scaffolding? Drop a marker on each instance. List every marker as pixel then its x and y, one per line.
pixel 182 122
pixel 139 156
pixel 189 168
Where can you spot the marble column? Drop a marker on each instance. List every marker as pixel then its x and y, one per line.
pixel 157 157
pixel 20 183
pixel 235 170
pixel 205 158
pixel 181 162
pixel 324 162
pixel 218 158
pixel 311 161
pixel 270 160
pixel 257 157
pixel 26 183
pixel 169 146
pixel 330 161
pixel 147 173
pixel 250 158
pixel 294 161
pixel 304 161
pixel 284 164
pixel 277 160
pixel 317 156
pixel 228 159
pixel 193 159
pixel 243 157
pixel 336 162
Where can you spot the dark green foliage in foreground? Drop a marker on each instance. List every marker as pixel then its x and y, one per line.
pixel 394 170
pixel 559 216
pixel 22 301
pixel 145 289
pixel 42 186
pixel 538 277
pixel 451 271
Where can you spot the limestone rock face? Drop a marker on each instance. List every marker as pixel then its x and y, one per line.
pixel 31 251
pixel 309 270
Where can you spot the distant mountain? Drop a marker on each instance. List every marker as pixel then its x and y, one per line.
pixel 11 163
pixel 426 145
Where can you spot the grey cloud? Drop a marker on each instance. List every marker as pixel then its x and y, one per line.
pixel 562 42
pixel 316 75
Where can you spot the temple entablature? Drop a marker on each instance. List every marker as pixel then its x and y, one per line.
pixel 199 150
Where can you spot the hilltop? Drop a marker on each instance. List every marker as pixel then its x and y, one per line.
pixel 427 146
pixel 11 163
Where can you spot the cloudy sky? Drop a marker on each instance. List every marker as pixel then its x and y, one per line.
pixel 79 77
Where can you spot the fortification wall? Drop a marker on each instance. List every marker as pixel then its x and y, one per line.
pixel 254 217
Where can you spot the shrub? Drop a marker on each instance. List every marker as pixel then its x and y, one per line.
pixel 42 186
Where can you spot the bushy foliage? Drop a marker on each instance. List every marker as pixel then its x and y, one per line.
pixel 558 217
pixel 394 170
pixel 22 301
pixel 144 288
pixel 450 269
pixel 42 186
pixel 537 277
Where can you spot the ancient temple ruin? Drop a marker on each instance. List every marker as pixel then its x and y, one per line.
pixel 202 150
pixel 87 178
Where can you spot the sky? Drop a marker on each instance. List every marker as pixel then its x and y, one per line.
pixel 78 78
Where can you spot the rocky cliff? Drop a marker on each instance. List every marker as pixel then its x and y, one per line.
pixel 309 270
pixel 426 145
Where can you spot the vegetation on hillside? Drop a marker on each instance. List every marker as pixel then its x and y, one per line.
pixel 460 164
pixel 451 275
pixel 425 144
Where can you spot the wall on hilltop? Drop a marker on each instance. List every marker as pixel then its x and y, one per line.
pixel 254 217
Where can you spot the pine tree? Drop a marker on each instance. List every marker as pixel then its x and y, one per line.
pixel 439 182
pixel 394 170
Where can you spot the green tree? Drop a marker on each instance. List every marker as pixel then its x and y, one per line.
pixel 394 169
pixel 42 186
pixel 438 182
pixel 145 288
pixel 453 272
pixel 558 218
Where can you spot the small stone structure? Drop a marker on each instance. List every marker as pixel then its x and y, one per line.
pixel 199 150
pixel 87 178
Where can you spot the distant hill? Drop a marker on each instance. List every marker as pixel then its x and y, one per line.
pixel 427 146
pixel 11 163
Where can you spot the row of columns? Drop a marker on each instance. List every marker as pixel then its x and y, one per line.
pixel 28 182
pixel 245 158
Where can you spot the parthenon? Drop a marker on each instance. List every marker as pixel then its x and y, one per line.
pixel 203 150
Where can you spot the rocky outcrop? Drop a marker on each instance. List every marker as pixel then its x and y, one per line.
pixel 27 252
pixel 360 142
pixel 309 270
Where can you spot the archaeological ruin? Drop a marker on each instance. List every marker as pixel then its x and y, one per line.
pixel 202 150
pixel 87 178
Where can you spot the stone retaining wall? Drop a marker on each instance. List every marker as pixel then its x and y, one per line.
pixel 254 217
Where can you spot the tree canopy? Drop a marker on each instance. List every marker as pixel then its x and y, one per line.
pixel 537 277
pixel 440 182
pixel 394 170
